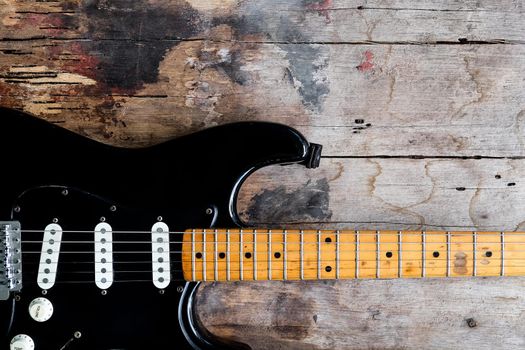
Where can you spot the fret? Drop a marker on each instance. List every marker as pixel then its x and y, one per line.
pixel 502 238
pixel 337 254
pixel 474 252
pixel 449 243
pixel 311 254
pixel 216 256
pixel 293 243
pixel 255 255
pixel 411 248
pixel 241 256
pixel 347 254
pixel 423 253
pixel 461 244
pixel 235 261
pixel 318 254
pixel 228 253
pixel 514 254
pixel 400 255
pixel 193 277
pixel 378 251
pixel 436 254
pixel 204 249
pixel 388 254
pixel 269 254
pixel 302 254
pixel 356 254
pixel 285 257
pixel 488 254
pixel 277 255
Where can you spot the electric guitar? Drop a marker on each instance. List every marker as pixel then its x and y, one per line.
pixel 104 247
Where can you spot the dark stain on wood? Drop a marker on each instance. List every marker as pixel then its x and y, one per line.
pixel 309 203
pixel 130 38
pixel 306 60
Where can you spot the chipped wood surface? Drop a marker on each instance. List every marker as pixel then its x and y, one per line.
pixel 420 107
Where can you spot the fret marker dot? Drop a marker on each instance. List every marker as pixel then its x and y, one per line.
pixel 328 240
pixel 103 260
pixel 277 255
pixel 248 255
pixel 222 255
pixel 162 259
pixel 103 280
pixel 488 254
pixel 103 270
pixel 161 279
pixel 435 254
pixel 198 255
pixel 389 254
pixel 328 268
pixel 160 269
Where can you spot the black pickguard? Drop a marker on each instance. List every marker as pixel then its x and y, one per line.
pixel 51 174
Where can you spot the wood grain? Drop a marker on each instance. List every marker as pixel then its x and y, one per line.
pixel 420 107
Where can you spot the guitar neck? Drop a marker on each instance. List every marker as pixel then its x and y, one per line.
pixel 235 255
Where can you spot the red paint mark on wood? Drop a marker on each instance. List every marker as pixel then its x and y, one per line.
pixel 367 64
pixel 322 7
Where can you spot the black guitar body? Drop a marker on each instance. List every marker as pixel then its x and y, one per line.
pixel 50 175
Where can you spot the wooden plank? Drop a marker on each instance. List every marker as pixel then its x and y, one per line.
pixel 364 314
pixel 106 80
pixel 378 193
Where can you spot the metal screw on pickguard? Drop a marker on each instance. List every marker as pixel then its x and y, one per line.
pixel 104 292
pixel 77 334
pixel 113 208
pixel 209 211
pixel 65 192
pixel 17 209
pixel 17 297
pixel 102 219
pixel 180 289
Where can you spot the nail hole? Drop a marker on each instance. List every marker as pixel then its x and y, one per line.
pixel 498 176
pixel 511 184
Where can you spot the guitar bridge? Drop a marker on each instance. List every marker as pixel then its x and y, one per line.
pixel 10 258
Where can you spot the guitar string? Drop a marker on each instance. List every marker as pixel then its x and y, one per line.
pixel 297 232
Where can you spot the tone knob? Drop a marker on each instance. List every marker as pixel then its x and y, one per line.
pixel 41 309
pixel 22 342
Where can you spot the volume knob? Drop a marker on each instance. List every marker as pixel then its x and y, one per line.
pixel 22 342
pixel 40 309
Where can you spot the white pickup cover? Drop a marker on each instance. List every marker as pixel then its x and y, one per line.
pixel 47 270
pixel 160 251
pixel 103 255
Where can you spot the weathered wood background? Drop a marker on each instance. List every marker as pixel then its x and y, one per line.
pixel 420 107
